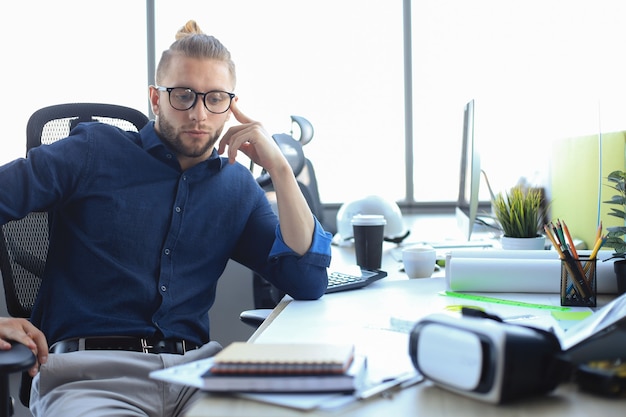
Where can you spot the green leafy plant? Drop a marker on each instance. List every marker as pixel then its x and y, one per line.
pixel 615 235
pixel 519 211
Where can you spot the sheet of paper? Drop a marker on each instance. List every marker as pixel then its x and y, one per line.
pixel 603 318
pixel 341 318
pixel 303 401
pixel 191 374
pixel 186 374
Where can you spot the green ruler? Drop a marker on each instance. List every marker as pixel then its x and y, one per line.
pixel 485 299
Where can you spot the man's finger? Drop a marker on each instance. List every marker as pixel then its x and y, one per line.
pixel 5 344
pixel 241 118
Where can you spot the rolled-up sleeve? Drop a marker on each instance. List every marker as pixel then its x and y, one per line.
pixel 320 246
pixel 303 276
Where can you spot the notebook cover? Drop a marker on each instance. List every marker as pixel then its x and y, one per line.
pixel 283 358
pixel 352 380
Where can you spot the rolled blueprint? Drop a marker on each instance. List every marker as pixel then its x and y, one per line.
pixel 517 271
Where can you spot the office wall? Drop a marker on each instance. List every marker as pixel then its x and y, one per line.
pixel 579 168
pixel 234 294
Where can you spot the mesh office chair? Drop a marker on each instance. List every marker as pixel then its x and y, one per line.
pixel 302 167
pixel 265 295
pixel 24 242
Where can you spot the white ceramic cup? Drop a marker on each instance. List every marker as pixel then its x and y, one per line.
pixel 419 261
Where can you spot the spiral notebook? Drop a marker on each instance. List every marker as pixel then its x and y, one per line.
pixel 283 358
pixel 274 368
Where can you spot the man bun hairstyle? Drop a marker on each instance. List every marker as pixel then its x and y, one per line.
pixel 190 28
pixel 193 43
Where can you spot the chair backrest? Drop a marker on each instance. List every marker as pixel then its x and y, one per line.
pixel 24 242
pixel 265 295
pixel 308 184
pixel 302 166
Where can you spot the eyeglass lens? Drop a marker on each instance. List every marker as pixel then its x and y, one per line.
pixel 184 99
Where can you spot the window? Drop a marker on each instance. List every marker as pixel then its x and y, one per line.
pixel 336 63
pixel 63 51
pixel 538 70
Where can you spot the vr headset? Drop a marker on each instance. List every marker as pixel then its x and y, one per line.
pixel 481 357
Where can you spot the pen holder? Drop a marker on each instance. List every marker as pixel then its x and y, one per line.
pixel 578 282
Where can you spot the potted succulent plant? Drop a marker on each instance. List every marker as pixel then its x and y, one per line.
pixel 521 216
pixel 616 234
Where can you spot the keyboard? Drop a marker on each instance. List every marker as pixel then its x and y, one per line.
pixel 343 281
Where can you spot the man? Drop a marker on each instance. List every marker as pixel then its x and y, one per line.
pixel 143 226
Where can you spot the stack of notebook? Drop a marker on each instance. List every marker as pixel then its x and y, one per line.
pixel 249 367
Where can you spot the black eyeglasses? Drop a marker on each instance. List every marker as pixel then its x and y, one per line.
pixel 182 98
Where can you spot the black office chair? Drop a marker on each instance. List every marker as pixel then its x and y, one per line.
pixel 24 242
pixel 18 359
pixel 265 295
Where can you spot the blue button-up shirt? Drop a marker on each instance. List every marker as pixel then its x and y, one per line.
pixel 136 244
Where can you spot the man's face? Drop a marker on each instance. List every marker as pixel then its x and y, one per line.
pixel 192 133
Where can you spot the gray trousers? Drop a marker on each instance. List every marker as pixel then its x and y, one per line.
pixel 97 383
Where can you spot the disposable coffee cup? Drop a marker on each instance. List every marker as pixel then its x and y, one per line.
pixel 369 230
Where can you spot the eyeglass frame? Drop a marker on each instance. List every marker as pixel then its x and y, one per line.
pixel 195 100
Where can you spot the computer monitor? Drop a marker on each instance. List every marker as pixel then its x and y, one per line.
pixel 469 182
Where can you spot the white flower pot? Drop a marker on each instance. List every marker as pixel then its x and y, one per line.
pixel 523 243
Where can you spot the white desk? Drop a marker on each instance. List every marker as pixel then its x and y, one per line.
pixel 363 317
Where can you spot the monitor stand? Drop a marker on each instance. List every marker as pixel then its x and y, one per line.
pixel 483 233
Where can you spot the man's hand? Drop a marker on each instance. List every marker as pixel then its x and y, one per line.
pixel 22 331
pixel 296 219
pixel 251 138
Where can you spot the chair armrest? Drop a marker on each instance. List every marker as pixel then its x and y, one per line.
pixel 18 358
pixel 255 317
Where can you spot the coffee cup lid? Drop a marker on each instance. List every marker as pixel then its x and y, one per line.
pixel 369 219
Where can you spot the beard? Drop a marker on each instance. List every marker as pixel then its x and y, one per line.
pixel 168 134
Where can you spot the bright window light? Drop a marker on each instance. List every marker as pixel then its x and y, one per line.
pixel 538 70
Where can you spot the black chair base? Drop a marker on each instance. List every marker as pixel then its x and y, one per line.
pixel 19 358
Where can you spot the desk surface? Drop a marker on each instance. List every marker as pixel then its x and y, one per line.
pixel 427 400
pixel 363 317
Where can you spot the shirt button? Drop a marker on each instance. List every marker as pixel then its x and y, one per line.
pixel 163 288
pixel 177 209
pixel 168 156
pixel 167 251
pixel 184 178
